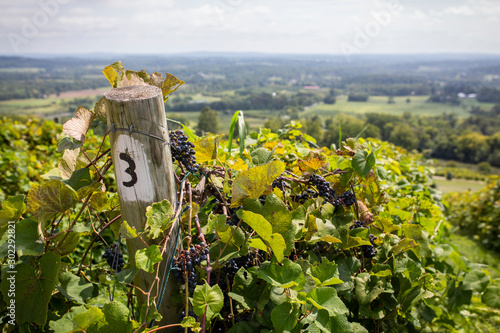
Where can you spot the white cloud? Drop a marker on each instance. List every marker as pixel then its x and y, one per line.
pixel 460 10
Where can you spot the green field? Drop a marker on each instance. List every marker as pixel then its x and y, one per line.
pixel 457 185
pixel 38 106
pixel 31 106
pixel 378 104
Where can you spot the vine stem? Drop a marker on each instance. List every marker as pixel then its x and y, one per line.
pixel 106 168
pixel 163 327
pixel 208 269
pixel 94 239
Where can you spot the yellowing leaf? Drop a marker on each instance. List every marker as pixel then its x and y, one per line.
pixel 206 149
pixel 170 85
pixel 330 239
pixel 278 147
pixel 258 244
pixel 239 165
pixel 386 225
pixel 78 126
pixel 111 73
pixel 355 242
pixel 265 230
pixel 313 164
pixel 404 245
pixel 253 182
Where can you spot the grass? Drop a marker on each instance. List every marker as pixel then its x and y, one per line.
pixel 31 106
pixel 457 185
pixel 477 253
pixel 378 104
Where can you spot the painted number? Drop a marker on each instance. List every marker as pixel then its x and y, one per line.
pixel 130 170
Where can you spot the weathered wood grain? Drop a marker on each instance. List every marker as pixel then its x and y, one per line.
pixel 143 169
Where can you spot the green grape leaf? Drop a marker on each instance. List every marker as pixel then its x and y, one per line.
pixel 116 318
pixel 261 156
pixel 190 322
pixel 336 324
pixel 286 275
pixel 70 243
pixel 126 231
pixel 89 321
pixel 79 179
pixel 209 298
pixel 348 268
pixel 284 317
pixel 368 287
pixel 325 273
pixel 47 200
pixel 476 280
pixel 276 212
pixel 264 229
pixel 253 182
pixel 75 288
pixel 362 162
pixel 12 209
pixel 68 143
pixel 27 241
pixel 147 258
pixel 491 297
pixel 404 245
pixel 126 275
pixel 34 288
pixel 159 218
pixel 325 298
pixel 244 289
pixel 386 225
pixel 258 244
pixel 66 324
pixel 355 242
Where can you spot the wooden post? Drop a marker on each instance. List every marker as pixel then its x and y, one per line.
pixel 144 172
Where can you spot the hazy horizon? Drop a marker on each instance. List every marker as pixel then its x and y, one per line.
pixel 293 27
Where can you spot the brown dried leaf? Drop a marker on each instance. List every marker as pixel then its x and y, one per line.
pixel 132 79
pixel 78 126
pixel 67 163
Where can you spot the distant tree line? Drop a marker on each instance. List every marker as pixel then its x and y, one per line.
pixel 246 101
pixel 472 139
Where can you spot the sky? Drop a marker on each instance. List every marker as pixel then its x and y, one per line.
pixel 266 26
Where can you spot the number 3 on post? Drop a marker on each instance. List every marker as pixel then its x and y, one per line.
pixel 130 170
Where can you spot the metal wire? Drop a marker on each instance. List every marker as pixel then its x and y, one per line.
pixel 132 130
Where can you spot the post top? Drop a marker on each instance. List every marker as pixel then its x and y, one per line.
pixel 129 93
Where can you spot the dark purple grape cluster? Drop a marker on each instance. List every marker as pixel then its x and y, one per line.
pixel 190 314
pixel 357 224
pixel 233 220
pixel 369 251
pixel 279 183
pixel 184 265
pixel 308 194
pixel 348 198
pixel 233 265
pixel 114 257
pixel 183 150
pixel 325 190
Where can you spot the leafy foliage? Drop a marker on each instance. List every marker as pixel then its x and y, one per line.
pixel 477 213
pixel 276 260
